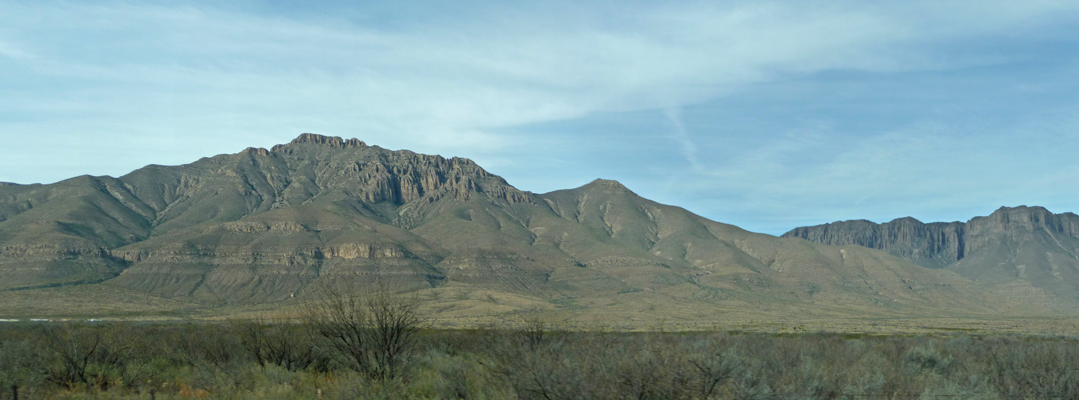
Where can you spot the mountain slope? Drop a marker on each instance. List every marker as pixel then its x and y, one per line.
pixel 267 226
pixel 1021 251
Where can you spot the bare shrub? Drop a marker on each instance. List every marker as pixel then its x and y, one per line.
pixel 568 365
pixel 94 356
pixel 284 344
pixel 656 369
pixel 188 360
pixel 1033 368
pixel 374 330
pixel 712 367
pixel 534 332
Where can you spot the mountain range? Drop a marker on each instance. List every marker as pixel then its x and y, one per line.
pixel 1021 251
pixel 268 226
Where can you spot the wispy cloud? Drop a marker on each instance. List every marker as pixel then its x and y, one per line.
pixel 451 79
pixel 492 70
pixel 930 170
pixel 10 51
pixel 681 137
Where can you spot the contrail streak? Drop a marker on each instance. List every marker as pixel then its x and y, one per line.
pixel 681 136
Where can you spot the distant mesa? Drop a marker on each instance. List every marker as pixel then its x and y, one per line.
pixel 1012 247
pixel 939 242
pixel 8 184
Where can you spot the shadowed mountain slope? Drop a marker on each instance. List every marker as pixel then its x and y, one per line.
pixel 263 226
pixel 1020 251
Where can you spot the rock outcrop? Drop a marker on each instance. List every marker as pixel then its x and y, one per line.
pixel 939 244
pixel 328 141
pixel 1022 247
pixel 932 245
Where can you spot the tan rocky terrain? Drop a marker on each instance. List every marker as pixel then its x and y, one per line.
pixel 261 228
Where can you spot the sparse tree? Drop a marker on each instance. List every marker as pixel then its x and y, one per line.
pixel 89 355
pixel 373 329
pixel 535 332
pixel 282 343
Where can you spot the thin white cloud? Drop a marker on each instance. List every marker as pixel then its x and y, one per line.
pixel 450 81
pixel 682 139
pixel 524 70
pixel 933 171
pixel 11 51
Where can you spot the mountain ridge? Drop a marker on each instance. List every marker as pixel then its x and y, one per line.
pixel 1014 245
pixel 264 226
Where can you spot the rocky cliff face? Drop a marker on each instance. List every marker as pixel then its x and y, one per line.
pixel 1026 249
pixel 1019 223
pixel 940 244
pixel 930 245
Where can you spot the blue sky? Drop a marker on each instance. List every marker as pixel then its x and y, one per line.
pixel 763 114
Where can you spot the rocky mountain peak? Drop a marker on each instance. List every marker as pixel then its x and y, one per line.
pixel 259 151
pixel 907 220
pixel 1021 214
pixel 607 185
pixel 376 175
pixel 1023 218
pixel 328 141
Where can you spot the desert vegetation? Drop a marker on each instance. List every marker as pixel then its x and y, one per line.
pixel 314 359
